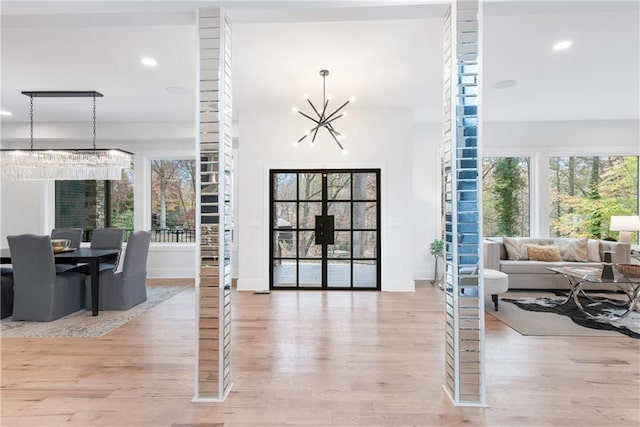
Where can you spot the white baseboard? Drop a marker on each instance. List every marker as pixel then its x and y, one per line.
pixel 252 284
pixel 170 273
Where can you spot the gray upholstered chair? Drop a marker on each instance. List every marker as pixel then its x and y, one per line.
pixel 75 238
pixel 107 238
pixel 122 290
pixel 6 292
pixel 73 234
pixel 41 294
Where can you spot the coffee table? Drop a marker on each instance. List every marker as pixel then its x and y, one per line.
pixel 578 276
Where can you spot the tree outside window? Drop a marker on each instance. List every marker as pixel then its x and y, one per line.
pixel 90 204
pixel 173 200
pixel 587 191
pixel 505 196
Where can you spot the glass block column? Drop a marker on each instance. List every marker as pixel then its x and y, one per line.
pixel 462 201
pixel 213 316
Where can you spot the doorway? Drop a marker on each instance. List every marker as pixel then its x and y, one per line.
pixel 325 229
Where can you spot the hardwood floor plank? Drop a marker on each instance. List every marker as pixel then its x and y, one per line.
pixel 316 358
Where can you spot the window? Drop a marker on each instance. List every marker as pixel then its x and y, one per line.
pixel 505 196
pixel 173 201
pixel 587 191
pixel 95 204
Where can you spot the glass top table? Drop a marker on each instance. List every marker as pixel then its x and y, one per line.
pixel 579 276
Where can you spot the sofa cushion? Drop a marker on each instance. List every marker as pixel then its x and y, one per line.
pixel 572 249
pixel 543 253
pixel 540 267
pixel 516 248
pixel 593 250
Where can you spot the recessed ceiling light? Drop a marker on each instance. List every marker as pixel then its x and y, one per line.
pixel 176 90
pixel 503 84
pixel 565 44
pixel 5 113
pixel 149 62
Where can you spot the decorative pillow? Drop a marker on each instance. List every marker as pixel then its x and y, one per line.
pixel 516 248
pixel 572 249
pixel 546 253
pixel 593 250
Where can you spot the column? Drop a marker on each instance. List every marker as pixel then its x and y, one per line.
pixel 462 202
pixel 213 314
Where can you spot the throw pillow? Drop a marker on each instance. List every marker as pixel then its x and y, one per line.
pixel 593 250
pixel 516 248
pixel 548 253
pixel 572 249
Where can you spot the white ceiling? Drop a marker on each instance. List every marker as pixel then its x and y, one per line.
pixel 386 53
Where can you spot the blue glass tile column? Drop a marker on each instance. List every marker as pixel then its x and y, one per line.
pixel 462 202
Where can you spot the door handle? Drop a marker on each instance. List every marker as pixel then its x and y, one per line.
pixel 324 230
pixel 319 230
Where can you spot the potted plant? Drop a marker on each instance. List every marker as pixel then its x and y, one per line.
pixel 437 250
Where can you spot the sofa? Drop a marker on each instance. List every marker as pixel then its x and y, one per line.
pixel 511 256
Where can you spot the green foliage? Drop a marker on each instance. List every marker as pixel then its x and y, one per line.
pixel 122 219
pixel 437 248
pixel 499 178
pixel 507 187
pixel 587 191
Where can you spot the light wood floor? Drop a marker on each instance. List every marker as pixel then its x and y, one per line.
pixel 316 358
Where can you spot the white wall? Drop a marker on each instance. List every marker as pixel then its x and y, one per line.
pixel 426 140
pixel 23 206
pixel 375 139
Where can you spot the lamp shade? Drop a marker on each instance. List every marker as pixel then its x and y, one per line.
pixel 625 223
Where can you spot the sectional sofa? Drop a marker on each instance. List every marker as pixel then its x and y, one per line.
pixel 510 255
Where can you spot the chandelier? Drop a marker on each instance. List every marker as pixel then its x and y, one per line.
pixel 323 118
pixel 63 164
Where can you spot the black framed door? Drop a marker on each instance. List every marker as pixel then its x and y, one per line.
pixel 324 229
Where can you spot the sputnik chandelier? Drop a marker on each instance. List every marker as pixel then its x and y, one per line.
pixel 323 118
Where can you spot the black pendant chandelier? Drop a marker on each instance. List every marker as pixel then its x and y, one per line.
pixel 323 118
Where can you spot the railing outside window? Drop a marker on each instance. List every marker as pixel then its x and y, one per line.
pixel 167 235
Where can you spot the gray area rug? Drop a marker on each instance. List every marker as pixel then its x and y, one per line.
pixel 543 323
pixel 82 324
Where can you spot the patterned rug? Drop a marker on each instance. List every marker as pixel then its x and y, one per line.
pixel 605 314
pixel 82 324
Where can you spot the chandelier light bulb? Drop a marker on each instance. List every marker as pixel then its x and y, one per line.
pixel 352 98
pixel 322 116
pixel 294 109
pixel 344 152
pixel 306 96
pixel 345 113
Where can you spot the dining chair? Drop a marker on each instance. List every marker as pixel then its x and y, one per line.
pixel 74 235
pixel 127 288
pixel 6 292
pixel 107 238
pixel 41 294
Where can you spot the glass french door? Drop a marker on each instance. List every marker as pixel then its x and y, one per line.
pixel 325 229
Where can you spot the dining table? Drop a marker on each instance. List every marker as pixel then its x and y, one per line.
pixel 92 257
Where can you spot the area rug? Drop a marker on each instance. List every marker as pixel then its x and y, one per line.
pixel 82 324
pixel 542 313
